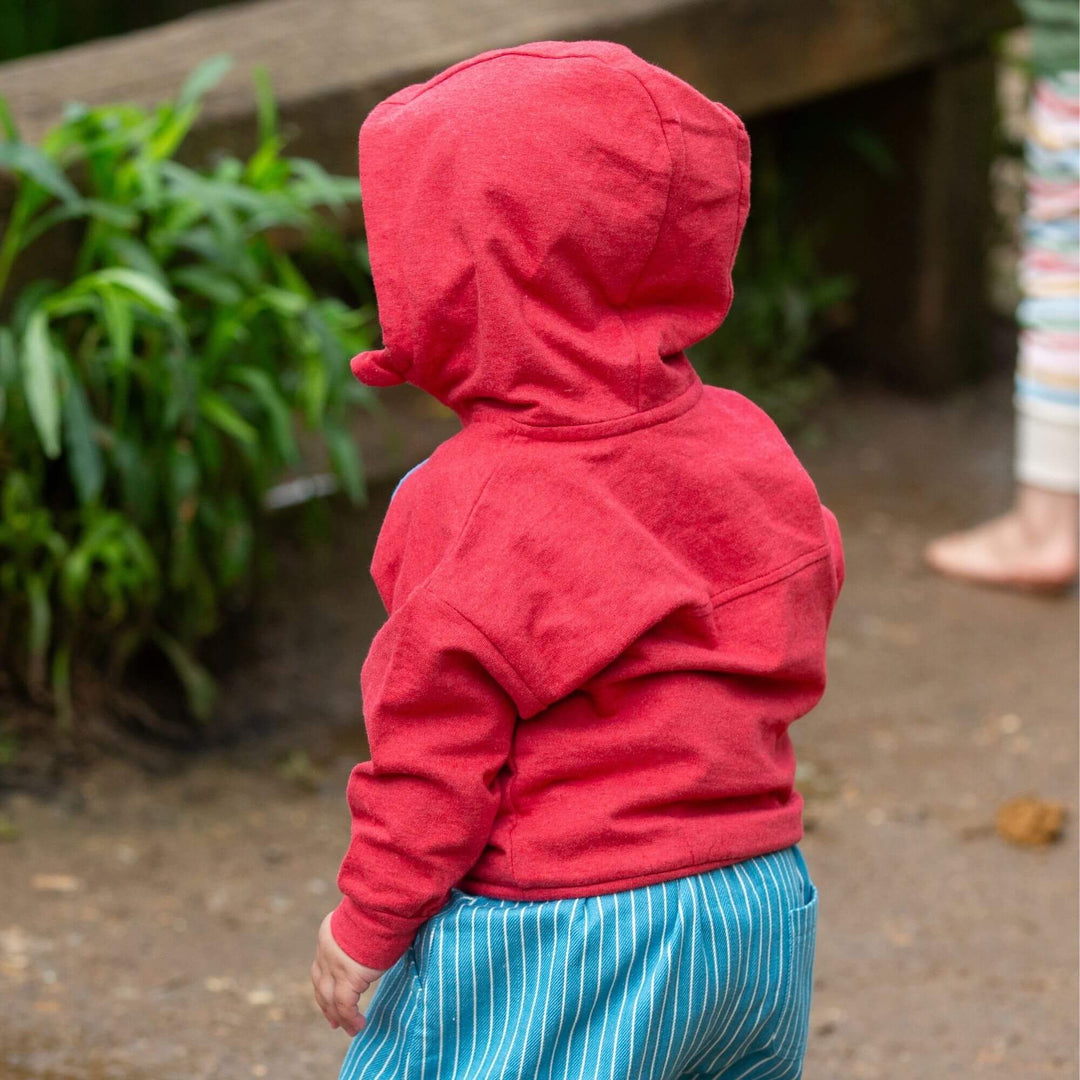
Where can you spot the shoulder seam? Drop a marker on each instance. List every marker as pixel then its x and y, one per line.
pixel 427 587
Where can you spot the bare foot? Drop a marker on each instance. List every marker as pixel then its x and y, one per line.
pixel 1033 546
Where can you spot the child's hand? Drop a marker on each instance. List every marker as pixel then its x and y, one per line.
pixel 339 981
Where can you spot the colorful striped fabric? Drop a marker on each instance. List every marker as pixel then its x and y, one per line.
pixel 1048 368
pixel 706 976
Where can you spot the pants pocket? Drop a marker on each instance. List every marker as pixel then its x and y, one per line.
pixel 802 920
pixel 792 1028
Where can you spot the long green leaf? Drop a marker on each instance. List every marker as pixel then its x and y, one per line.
pixel 9 367
pixel 267 107
pixel 27 160
pixel 7 121
pixel 209 283
pixel 84 459
pixel 198 683
pixel 165 141
pixel 142 285
pixel 139 479
pixel 40 628
pixel 119 323
pixel 334 191
pixel 204 78
pixel 135 255
pixel 346 460
pixel 262 386
pixel 221 414
pixel 120 217
pixel 40 383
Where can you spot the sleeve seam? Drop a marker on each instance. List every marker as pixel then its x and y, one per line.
pixel 495 648
pixel 771 577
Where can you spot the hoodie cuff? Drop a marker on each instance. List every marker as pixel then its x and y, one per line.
pixel 375 369
pixel 367 941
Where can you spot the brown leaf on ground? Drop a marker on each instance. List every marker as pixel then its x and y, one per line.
pixel 1030 821
pixel 62 883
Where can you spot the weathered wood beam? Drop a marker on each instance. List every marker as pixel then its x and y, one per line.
pixel 331 60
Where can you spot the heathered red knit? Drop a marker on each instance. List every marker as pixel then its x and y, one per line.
pixel 609 593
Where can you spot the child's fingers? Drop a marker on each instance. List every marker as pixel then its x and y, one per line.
pixel 319 981
pixel 324 995
pixel 345 999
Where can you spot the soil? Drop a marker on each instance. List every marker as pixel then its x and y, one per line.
pixel 161 926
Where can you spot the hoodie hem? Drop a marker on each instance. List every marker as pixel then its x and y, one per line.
pixel 499 890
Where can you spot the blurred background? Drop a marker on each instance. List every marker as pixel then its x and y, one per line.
pixel 191 483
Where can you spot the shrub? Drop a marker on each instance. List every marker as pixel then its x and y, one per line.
pixel 785 302
pixel 149 398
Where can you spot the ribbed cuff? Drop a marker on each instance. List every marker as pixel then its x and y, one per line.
pixel 367 941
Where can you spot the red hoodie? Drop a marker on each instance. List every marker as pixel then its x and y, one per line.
pixel 609 593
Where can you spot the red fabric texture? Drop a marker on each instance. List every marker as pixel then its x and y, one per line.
pixel 608 595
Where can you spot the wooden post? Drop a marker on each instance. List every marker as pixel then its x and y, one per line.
pixel 913 236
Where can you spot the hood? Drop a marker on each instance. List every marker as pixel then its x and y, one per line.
pixel 550 226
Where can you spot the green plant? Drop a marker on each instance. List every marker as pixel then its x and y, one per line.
pixel 784 303
pixel 148 400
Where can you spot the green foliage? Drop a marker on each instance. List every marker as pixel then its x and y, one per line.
pixel 784 303
pixel 149 399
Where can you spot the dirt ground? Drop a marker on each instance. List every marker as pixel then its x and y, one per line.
pixel 161 927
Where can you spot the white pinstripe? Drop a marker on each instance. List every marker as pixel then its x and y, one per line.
pixel 768 940
pixel 795 1006
pixel 626 988
pixel 457 991
pixel 536 992
pixel 562 1007
pixel 581 989
pixel 740 976
pixel 491 997
pixel 547 992
pixel 611 987
pixel 757 968
pixel 703 1012
pixel 399 1041
pixel 472 947
pixel 599 979
pixel 701 915
pixel 509 991
pixel 397 991
pixel 667 982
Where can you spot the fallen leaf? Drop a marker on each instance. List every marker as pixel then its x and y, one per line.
pixel 63 883
pixel 1030 821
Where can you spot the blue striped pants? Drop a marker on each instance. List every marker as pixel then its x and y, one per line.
pixel 698 978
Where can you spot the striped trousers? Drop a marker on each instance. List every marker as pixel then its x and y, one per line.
pixel 1048 366
pixel 703 977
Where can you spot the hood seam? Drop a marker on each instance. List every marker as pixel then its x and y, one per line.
pixel 660 228
pixel 624 424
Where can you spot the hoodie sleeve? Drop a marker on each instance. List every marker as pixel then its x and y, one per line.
pixel 439 708
pixel 832 530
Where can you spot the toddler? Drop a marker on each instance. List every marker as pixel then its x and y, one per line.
pixel 573 848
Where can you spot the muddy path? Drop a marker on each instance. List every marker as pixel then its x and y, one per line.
pixel 160 927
